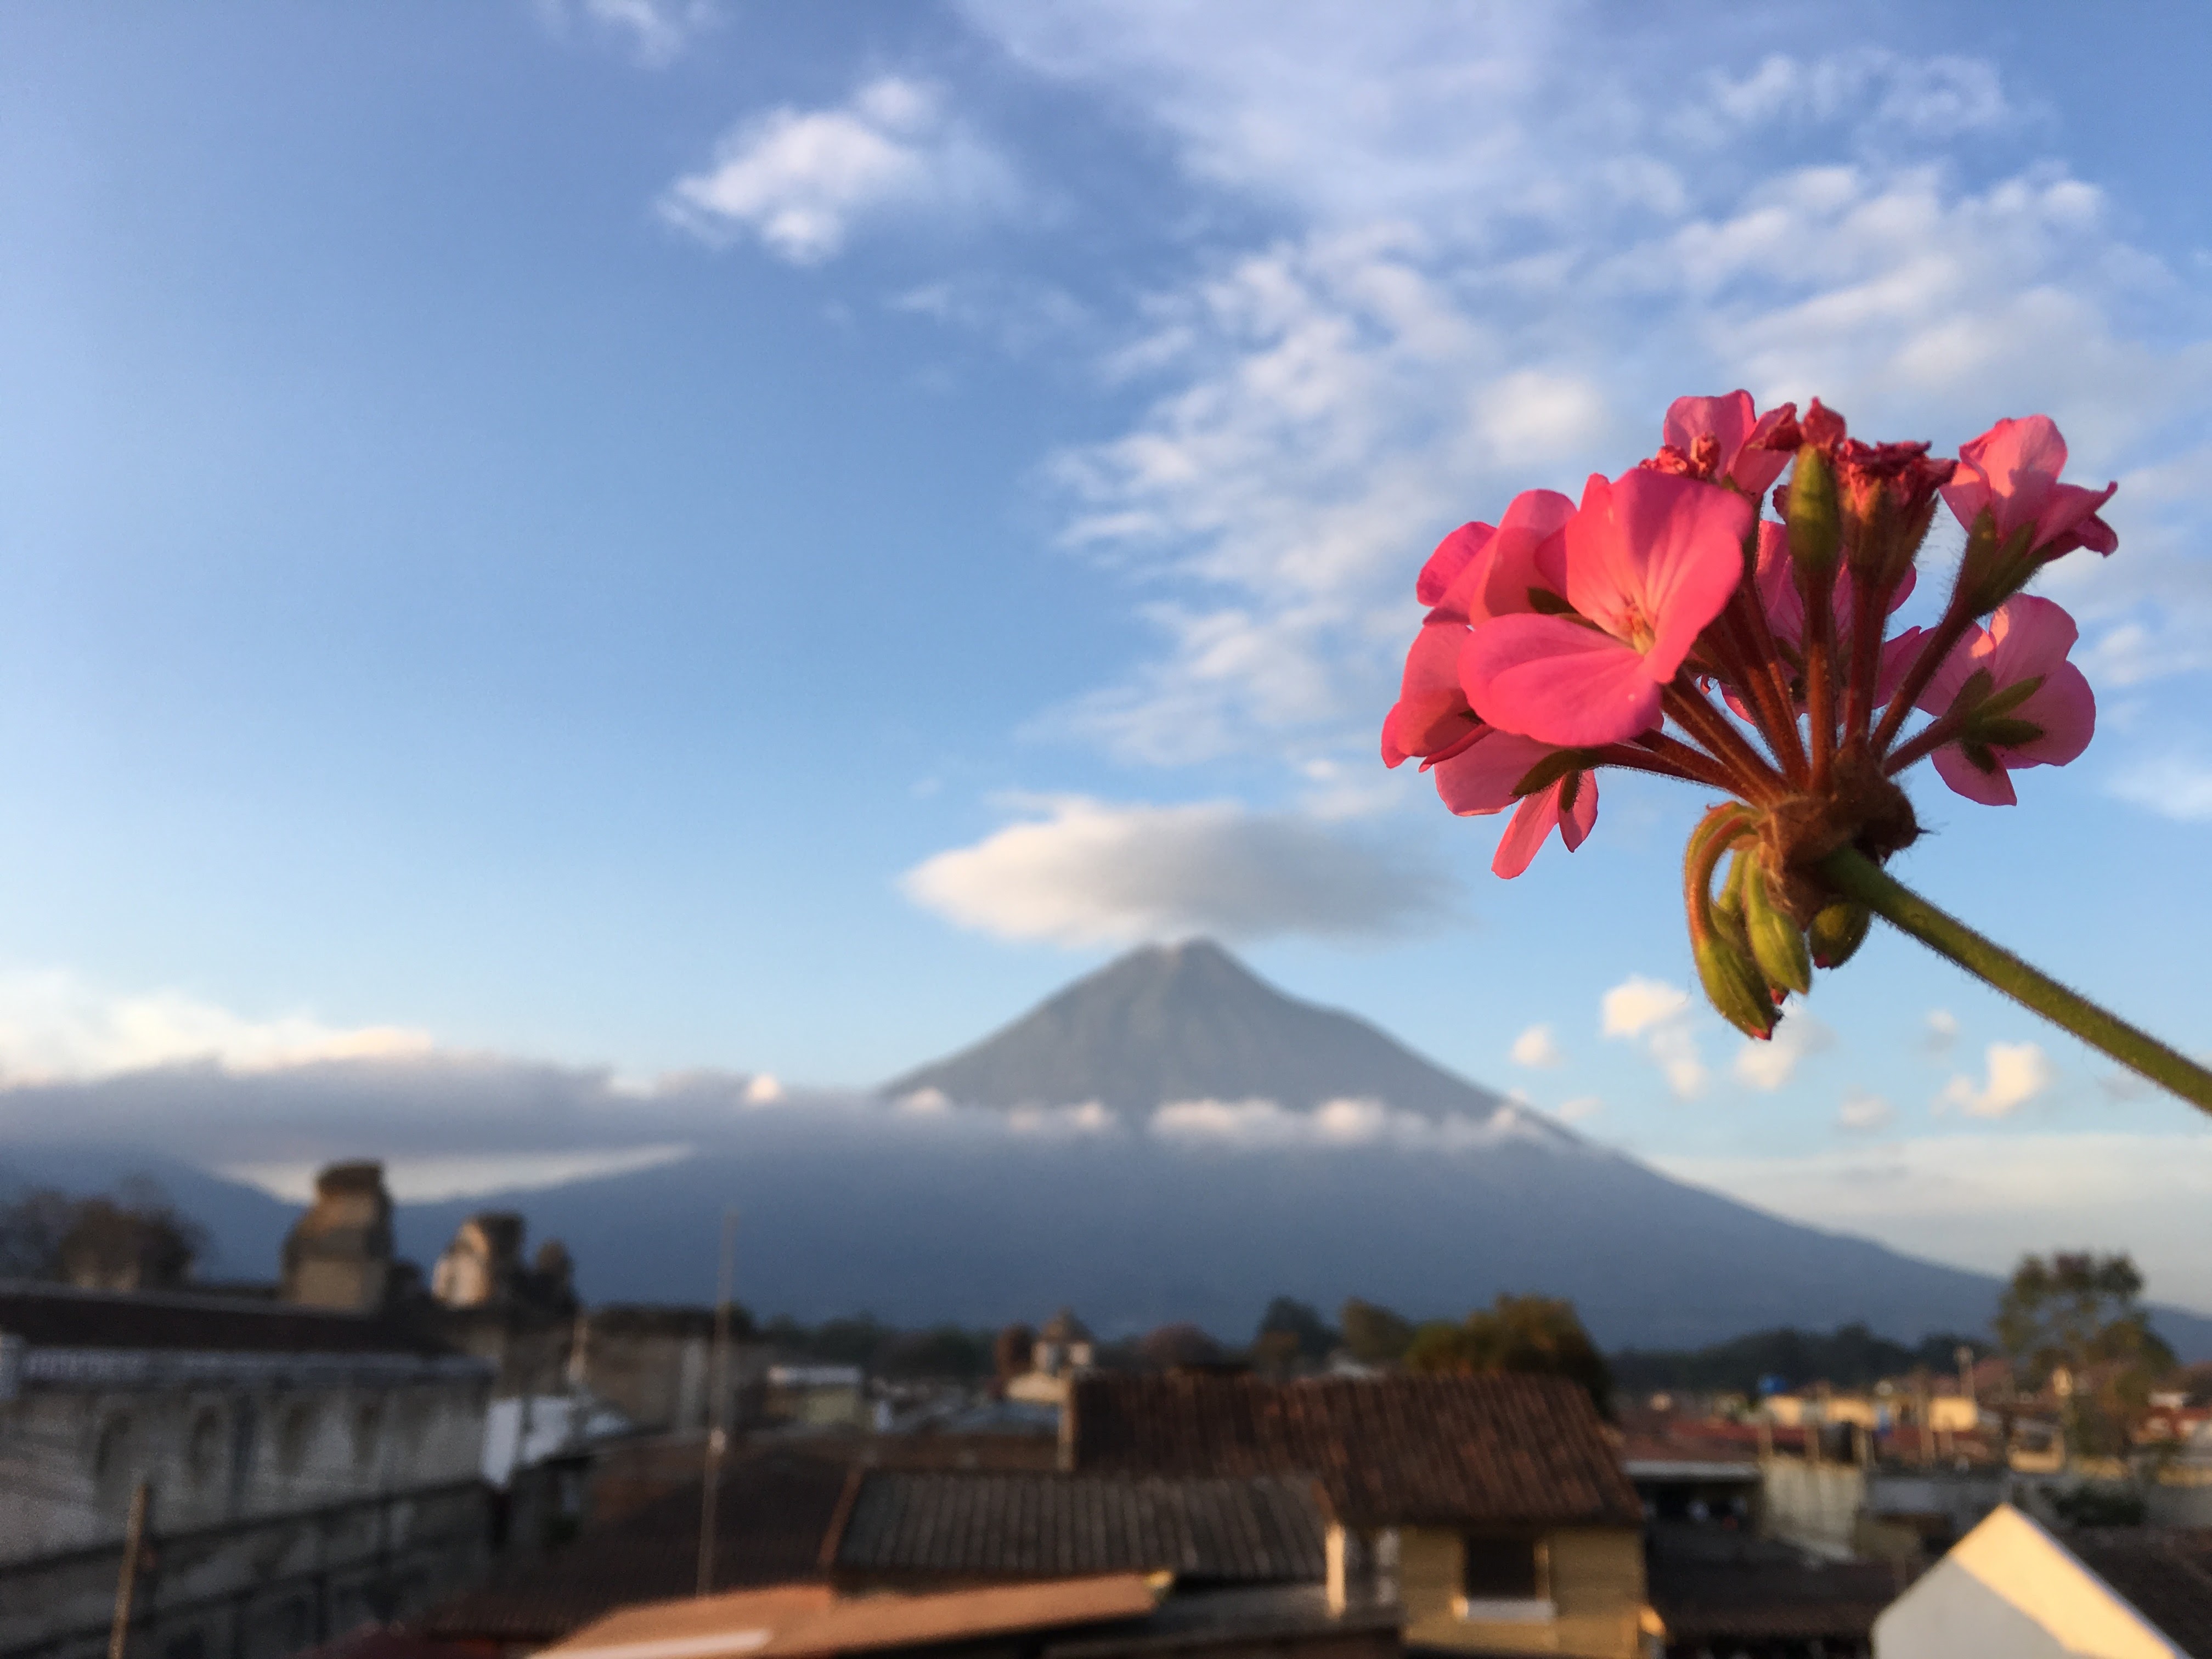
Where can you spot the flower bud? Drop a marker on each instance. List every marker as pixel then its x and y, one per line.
pixel 1734 986
pixel 1837 931
pixel 1816 526
pixel 1776 943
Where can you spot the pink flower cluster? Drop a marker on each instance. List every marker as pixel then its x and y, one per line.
pixel 1663 624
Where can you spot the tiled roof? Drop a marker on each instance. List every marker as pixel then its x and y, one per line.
pixel 55 1316
pixel 772 1515
pixel 1254 1530
pixel 2165 1572
pixel 1388 1450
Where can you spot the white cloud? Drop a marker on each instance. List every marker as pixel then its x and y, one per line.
pixel 804 180
pixel 55 1027
pixel 430 1180
pixel 1657 1015
pixel 1580 1108
pixel 1637 1004
pixel 1771 1064
pixel 1981 1200
pixel 1865 1112
pixel 1082 872
pixel 1346 1124
pixel 1537 1046
pixel 1089 1118
pixel 2018 1071
pixel 2172 787
pixel 763 1089
pixel 1943 1031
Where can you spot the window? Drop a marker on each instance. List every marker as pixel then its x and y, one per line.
pixel 1502 1576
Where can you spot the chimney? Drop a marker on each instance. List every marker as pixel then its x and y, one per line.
pixel 338 1254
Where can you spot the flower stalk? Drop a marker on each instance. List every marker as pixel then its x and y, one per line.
pixel 1853 874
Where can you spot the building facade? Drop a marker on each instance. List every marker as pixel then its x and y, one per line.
pixel 305 1471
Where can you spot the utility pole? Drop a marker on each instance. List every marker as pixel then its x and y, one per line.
pixel 718 1392
pixel 126 1584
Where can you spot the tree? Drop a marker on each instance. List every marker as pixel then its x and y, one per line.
pixel 1537 1335
pixel 2072 1323
pixel 1012 1352
pixel 1297 1331
pixel 134 1241
pixel 1375 1336
pixel 1172 1347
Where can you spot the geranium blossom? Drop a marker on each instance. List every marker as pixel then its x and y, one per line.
pixel 1649 560
pixel 2012 473
pixel 2027 639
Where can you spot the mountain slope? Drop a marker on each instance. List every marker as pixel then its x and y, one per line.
pixel 1190 1021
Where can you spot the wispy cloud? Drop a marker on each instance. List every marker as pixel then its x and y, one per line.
pixel 1079 872
pixel 2174 788
pixel 1982 1200
pixel 1865 1112
pixel 803 181
pixel 1501 240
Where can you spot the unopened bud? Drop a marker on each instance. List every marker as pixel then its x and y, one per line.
pixel 1734 986
pixel 1816 526
pixel 1837 931
pixel 1776 943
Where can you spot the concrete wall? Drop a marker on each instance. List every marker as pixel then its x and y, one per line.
pixel 258 1589
pixel 1594 1577
pixel 223 1450
pixel 1814 1507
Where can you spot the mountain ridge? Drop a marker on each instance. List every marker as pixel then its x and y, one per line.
pixel 1188 1022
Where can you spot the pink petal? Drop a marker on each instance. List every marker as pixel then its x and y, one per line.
pixel 1897 655
pixel 1990 788
pixel 1432 711
pixel 1552 679
pixel 2028 637
pixel 1524 554
pixel 1526 833
pixel 1480 779
pixel 1971 652
pixel 2066 709
pixel 1678 557
pixel 1452 556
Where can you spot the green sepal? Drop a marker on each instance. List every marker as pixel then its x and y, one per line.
pixel 1776 943
pixel 1815 518
pixel 1550 770
pixel 1545 603
pixel 1837 932
pixel 1733 986
pixel 2006 733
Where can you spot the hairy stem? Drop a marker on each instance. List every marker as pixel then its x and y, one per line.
pixel 1750 774
pixel 1666 757
pixel 1854 875
pixel 1819 675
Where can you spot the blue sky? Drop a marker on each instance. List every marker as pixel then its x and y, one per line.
pixel 670 534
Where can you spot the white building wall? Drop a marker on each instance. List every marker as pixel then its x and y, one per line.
pixel 2009 1590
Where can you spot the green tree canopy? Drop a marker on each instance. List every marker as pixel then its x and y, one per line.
pixel 2072 1323
pixel 1536 1335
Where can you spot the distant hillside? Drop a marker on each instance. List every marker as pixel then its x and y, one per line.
pixel 1190 1021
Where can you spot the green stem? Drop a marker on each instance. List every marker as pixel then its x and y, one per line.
pixel 1854 875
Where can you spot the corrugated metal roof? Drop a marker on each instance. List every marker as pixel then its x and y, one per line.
pixel 786 1623
pixel 1388 1450
pixel 1252 1529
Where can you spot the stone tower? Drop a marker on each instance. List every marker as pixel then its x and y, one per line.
pixel 338 1254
